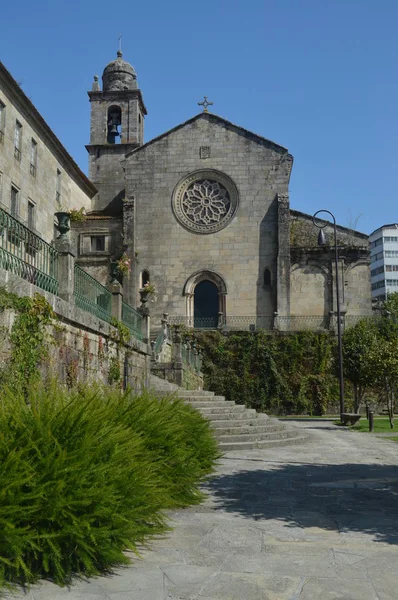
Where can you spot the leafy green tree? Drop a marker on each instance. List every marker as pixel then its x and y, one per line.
pixel 359 346
pixel 388 324
pixel 390 305
pixel 384 357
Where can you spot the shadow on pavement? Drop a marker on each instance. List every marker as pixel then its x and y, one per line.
pixel 345 498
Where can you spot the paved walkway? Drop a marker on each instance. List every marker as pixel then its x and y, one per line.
pixel 316 521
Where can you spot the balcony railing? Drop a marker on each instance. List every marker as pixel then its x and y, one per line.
pixel 92 296
pixel 27 255
pixel 237 323
pixel 1 137
pixel 17 153
pixel 196 322
pixel 32 170
pixel 133 320
pixel 268 322
pixel 230 322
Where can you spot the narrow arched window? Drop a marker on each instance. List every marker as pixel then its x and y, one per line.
pixel 114 123
pixel 267 277
pixel 145 279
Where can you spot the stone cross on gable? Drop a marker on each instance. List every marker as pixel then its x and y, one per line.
pixel 205 103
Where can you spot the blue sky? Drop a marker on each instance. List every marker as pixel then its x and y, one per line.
pixel 316 76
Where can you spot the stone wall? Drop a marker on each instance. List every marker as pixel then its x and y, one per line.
pixel 313 281
pixel 310 290
pixel 84 347
pixel 356 288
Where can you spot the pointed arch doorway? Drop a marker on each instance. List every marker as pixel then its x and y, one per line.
pixel 205 292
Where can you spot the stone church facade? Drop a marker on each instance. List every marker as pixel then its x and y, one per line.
pixel 203 214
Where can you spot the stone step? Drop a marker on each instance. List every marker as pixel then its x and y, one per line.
pixel 185 393
pixel 205 399
pixel 246 429
pixel 211 404
pixel 294 439
pixel 252 437
pixel 159 384
pixel 229 415
pixel 238 421
pixel 222 410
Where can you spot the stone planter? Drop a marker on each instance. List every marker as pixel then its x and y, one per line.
pixel 63 224
pixel 144 296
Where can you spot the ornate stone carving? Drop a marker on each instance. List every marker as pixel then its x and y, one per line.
pixel 205 152
pixel 206 201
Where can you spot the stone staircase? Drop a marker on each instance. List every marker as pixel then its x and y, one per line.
pixel 235 426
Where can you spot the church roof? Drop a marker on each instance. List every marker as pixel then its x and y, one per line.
pixel 302 215
pixel 217 120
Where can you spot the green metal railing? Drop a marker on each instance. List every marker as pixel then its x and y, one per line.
pixel 184 353
pixel 27 255
pixel 92 296
pixel 132 319
pixel 159 341
pixel 191 357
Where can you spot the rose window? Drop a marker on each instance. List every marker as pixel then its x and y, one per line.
pixel 205 201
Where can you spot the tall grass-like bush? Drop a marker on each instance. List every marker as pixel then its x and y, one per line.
pixel 180 441
pixel 86 475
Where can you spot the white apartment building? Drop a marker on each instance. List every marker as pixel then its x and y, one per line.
pixel 384 261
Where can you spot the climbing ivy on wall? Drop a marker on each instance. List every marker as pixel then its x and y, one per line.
pixel 282 374
pixel 28 338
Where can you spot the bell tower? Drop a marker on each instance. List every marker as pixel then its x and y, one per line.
pixel 117 127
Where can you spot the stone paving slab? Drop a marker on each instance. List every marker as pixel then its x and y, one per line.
pixel 316 521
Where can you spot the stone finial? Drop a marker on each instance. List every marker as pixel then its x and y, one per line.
pixel 96 85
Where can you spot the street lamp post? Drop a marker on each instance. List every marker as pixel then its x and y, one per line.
pixel 322 242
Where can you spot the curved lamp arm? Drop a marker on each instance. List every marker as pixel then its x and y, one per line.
pixel 323 210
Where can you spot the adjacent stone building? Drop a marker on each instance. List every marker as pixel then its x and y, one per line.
pixel 37 175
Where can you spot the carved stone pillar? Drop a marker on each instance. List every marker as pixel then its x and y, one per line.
pixel 130 283
pixel 117 298
pixel 283 257
pixel 66 269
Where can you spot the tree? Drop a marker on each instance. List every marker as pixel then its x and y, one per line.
pixel 385 363
pixel 388 325
pixel 359 346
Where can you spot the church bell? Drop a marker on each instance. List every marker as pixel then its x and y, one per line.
pixel 112 130
pixel 114 120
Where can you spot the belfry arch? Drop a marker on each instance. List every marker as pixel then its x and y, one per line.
pixel 203 308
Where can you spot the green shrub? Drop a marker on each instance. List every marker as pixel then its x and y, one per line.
pixel 85 475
